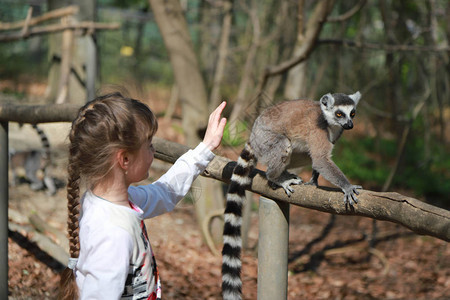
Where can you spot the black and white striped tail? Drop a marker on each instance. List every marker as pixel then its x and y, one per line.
pixel 44 140
pixel 232 243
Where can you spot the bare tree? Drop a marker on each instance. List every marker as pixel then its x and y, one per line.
pixel 296 81
pixel 214 98
pixel 244 84
pixel 192 93
pixel 191 87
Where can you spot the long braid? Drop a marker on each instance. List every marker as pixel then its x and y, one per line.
pixel 68 287
pixel 73 201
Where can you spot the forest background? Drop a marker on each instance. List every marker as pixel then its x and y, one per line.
pixel 395 52
pixel 256 53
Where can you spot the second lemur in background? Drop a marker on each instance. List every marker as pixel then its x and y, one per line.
pixel 288 135
pixel 33 161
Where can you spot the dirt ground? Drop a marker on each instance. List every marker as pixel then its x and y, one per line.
pixel 329 256
pixel 332 264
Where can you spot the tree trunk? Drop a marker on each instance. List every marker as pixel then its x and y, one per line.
pixel 241 99
pixel 221 56
pixel 312 31
pixel 192 94
pixel 296 81
pixel 192 91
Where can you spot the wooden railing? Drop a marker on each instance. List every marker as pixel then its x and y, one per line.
pixel 418 216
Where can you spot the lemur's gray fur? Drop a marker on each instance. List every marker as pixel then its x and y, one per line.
pixel 288 135
pixel 297 133
pixel 33 161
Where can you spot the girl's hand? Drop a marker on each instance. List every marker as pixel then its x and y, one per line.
pixel 216 125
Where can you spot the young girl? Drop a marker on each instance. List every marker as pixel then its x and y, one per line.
pixel 111 148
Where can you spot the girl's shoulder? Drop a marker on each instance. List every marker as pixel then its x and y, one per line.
pixel 104 215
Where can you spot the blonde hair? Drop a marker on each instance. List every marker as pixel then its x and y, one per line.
pixel 104 125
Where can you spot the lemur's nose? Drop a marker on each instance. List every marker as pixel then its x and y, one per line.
pixel 348 125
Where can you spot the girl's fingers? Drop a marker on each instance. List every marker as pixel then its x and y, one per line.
pixel 216 126
pixel 216 114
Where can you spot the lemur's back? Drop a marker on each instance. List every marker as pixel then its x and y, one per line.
pixel 296 120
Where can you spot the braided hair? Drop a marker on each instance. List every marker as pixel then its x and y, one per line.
pixel 103 125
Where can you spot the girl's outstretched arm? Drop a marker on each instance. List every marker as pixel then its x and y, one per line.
pixel 216 125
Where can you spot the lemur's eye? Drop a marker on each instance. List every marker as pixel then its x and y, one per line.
pixel 352 114
pixel 338 114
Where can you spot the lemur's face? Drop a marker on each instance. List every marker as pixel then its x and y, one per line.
pixel 343 115
pixel 340 109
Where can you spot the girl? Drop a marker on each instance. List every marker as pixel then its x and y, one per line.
pixel 111 148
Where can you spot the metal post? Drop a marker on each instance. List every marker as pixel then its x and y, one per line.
pixel 3 210
pixel 273 249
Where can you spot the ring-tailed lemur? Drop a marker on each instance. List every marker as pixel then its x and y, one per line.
pixel 33 161
pixel 288 135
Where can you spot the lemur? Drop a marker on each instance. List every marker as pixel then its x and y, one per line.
pixel 33 161
pixel 288 135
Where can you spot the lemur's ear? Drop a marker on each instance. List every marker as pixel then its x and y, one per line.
pixel 355 97
pixel 327 101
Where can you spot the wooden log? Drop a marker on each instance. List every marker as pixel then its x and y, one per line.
pixel 88 27
pixel 43 242
pixel 34 114
pixel 51 232
pixel 54 14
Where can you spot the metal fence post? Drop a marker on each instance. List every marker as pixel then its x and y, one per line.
pixel 273 249
pixel 3 210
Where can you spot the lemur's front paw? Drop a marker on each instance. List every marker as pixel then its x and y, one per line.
pixel 350 194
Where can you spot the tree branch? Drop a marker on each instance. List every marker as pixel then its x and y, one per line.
pixel 416 215
pixel 384 47
pixel 347 15
pixel 312 33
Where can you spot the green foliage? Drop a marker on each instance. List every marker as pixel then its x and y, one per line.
pixel 125 3
pixel 368 160
pixel 237 139
pixel 427 174
pixel 359 159
pixel 151 63
pixel 16 60
pixel 178 128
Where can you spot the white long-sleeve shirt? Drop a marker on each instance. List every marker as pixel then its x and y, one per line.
pixel 116 260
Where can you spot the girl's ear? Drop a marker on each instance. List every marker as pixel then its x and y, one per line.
pixel 123 159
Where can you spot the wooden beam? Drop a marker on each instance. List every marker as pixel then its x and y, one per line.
pixel 54 14
pixel 89 27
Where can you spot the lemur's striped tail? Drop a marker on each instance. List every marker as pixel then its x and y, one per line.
pixel 44 141
pixel 232 243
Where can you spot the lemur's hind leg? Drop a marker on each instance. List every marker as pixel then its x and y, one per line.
pixel 50 185
pixel 276 167
pixel 285 180
pixel 313 180
pixel 32 166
